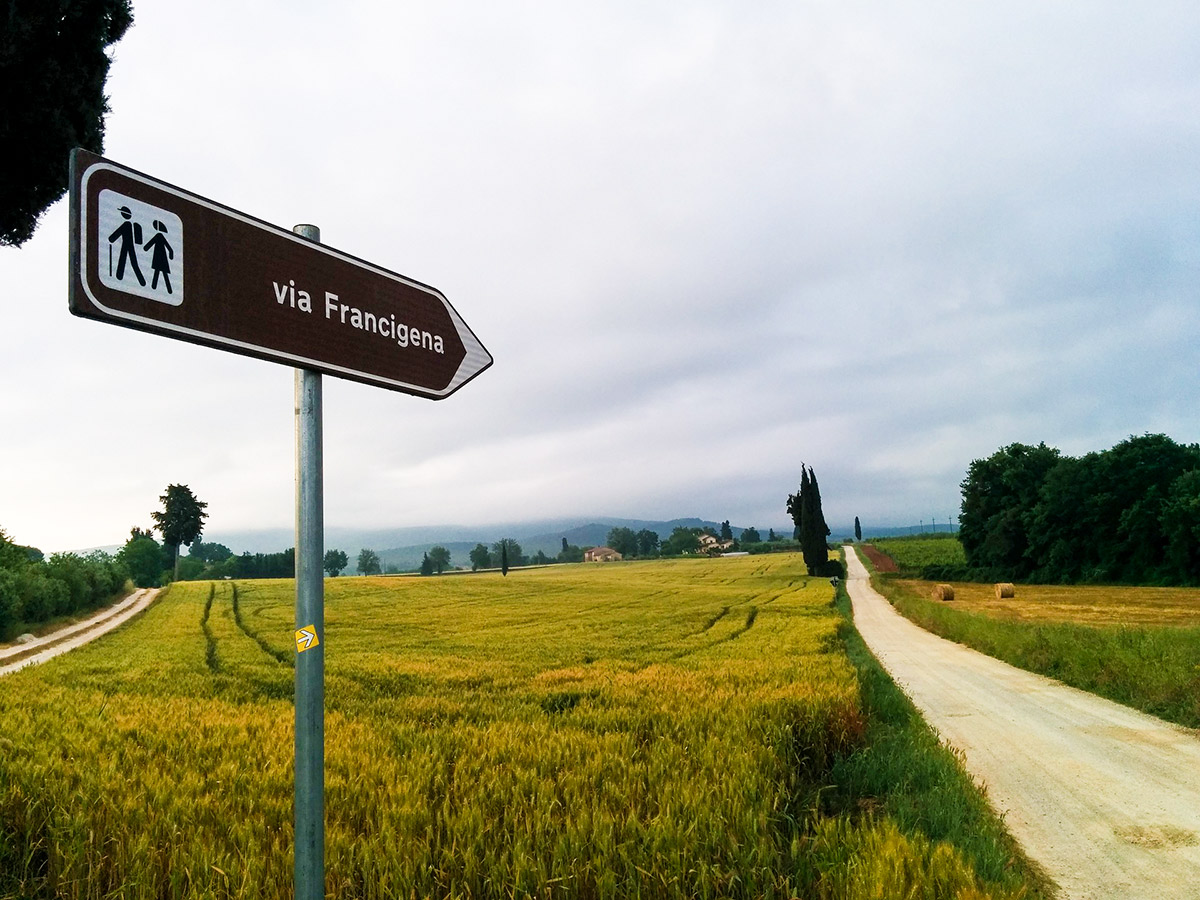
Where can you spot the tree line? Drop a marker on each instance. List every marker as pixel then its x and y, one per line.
pixel 1130 514
pixel 34 590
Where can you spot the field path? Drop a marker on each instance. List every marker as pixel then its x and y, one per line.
pixel 1104 798
pixel 59 642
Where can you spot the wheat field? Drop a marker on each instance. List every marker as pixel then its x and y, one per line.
pixel 630 730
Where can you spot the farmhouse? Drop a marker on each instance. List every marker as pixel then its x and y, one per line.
pixel 711 544
pixel 601 554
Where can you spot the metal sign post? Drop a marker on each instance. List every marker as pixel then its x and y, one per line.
pixel 150 256
pixel 310 632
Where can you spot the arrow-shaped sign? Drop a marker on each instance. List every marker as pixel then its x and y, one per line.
pixel 154 257
pixel 306 637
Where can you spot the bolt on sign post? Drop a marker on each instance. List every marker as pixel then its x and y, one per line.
pixel 153 257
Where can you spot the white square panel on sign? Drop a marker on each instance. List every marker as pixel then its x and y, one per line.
pixel 140 249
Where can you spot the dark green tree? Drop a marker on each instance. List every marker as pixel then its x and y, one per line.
pixel 12 555
pixel 998 497
pixel 810 529
pixel 813 530
pixel 209 553
pixel 623 540
pixel 480 558
pixel 368 562
pixel 682 540
pixel 570 553
pixel 426 564
pixel 334 562
pixel 1181 524
pixel 439 558
pixel 142 557
pixel 726 531
pixel 1100 517
pixel 53 66
pixel 647 542
pixel 10 601
pixel 857 529
pixel 750 535
pixel 795 501
pixel 508 551
pixel 181 520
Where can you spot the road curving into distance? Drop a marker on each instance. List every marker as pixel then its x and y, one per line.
pixel 1106 799
pixel 58 642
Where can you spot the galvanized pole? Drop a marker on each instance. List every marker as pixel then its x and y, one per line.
pixel 310 620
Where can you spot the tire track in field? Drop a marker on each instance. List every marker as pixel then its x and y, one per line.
pixel 283 657
pixel 751 617
pixel 210 639
pixel 708 626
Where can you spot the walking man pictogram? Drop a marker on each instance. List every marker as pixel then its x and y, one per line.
pixel 130 235
pixel 162 253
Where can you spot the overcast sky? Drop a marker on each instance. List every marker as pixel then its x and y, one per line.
pixel 703 241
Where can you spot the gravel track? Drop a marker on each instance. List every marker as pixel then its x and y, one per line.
pixel 65 639
pixel 1106 799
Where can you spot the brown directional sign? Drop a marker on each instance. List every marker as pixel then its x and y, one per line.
pixel 147 255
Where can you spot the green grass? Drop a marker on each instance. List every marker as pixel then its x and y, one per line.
pixel 686 728
pixel 904 775
pixel 913 554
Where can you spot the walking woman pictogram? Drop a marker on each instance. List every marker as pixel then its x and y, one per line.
pixel 162 253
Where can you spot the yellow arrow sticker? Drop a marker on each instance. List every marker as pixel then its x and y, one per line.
pixel 306 638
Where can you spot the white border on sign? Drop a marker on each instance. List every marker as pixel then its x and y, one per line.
pixel 475 352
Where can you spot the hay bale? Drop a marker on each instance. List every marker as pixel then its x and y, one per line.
pixel 1005 591
pixel 943 592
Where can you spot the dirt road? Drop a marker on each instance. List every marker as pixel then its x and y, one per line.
pixel 1106 799
pixel 58 642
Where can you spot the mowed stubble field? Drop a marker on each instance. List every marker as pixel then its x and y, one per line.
pixel 658 729
pixel 1139 646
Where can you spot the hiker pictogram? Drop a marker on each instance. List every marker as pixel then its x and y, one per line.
pixel 140 248
pixel 129 233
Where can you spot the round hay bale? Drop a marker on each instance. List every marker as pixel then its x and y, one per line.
pixel 943 592
pixel 1005 590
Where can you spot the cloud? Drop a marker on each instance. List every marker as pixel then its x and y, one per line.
pixel 703 243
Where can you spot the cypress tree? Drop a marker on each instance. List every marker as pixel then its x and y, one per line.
pixel 795 504
pixel 813 529
pixel 857 530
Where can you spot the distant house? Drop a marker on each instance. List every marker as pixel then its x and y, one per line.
pixel 712 544
pixel 601 554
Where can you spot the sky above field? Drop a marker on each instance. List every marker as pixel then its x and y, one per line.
pixel 704 242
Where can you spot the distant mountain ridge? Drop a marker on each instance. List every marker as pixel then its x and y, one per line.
pixel 403 548
pixel 592 534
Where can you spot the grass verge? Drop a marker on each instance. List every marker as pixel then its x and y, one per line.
pixel 1153 669
pixel 903 774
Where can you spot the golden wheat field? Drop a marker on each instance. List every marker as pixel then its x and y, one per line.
pixel 631 730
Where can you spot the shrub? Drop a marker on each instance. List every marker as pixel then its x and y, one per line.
pixel 41 596
pixel 10 600
pixel 72 571
pixel 833 568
